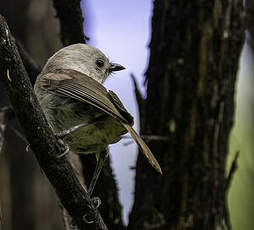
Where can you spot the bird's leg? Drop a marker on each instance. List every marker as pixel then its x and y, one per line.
pixel 66 132
pixel 72 129
pixel 81 125
pixel 99 165
pixel 66 148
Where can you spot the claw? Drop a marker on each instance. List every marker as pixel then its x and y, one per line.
pixel 8 75
pixel 86 220
pixel 27 148
pixel 97 201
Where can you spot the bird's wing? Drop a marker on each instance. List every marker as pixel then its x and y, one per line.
pixel 120 107
pixel 80 87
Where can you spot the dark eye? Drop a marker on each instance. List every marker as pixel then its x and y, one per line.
pixel 100 63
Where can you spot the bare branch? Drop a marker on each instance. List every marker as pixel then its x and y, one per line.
pixel 227 186
pixel 232 171
pixel 44 144
pixel 139 97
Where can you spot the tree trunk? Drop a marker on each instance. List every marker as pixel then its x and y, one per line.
pixel 195 49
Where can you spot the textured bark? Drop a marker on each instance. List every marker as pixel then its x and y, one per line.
pixel 71 21
pixel 35 27
pixel 195 49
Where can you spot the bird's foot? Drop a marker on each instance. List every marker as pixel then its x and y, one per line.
pixel 97 202
pixel 86 219
pixel 66 148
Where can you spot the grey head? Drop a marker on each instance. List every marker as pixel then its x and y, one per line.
pixel 83 58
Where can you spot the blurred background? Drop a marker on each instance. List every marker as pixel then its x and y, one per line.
pixel 122 31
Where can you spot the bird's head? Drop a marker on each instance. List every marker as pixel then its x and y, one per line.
pixel 83 58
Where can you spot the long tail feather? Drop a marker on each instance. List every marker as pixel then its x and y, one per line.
pixel 142 145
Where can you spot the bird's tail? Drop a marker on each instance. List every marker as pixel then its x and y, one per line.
pixel 142 145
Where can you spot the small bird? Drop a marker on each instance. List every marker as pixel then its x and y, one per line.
pixel 80 110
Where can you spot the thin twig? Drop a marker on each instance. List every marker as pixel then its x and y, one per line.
pixel 139 98
pixel 150 137
pixel 227 186
pixel 147 138
pixel 232 171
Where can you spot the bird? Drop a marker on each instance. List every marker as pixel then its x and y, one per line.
pixel 80 110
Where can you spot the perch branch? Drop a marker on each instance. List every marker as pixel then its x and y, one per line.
pixel 44 144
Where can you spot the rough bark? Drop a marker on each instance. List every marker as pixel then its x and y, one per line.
pixel 71 21
pixel 195 49
pixel 35 27
pixel 58 170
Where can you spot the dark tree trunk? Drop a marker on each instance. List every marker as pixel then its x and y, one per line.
pixel 27 208
pixel 195 49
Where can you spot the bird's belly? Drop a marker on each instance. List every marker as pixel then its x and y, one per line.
pixel 91 138
pixel 95 137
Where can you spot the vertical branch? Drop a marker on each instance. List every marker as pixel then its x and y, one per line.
pixel 71 21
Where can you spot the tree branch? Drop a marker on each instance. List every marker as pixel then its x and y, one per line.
pixel 71 21
pixel 232 170
pixel 140 101
pixel 31 66
pixel 40 136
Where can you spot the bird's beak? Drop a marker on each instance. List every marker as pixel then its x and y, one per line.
pixel 115 67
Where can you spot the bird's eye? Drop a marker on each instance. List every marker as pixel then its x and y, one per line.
pixel 100 63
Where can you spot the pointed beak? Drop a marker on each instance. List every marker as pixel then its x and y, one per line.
pixel 115 67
